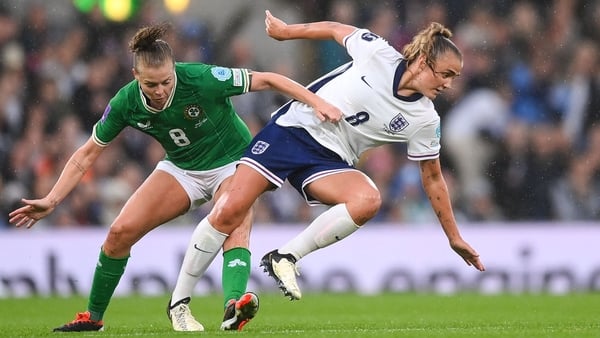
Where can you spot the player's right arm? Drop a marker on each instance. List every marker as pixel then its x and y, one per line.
pixel 322 30
pixel 34 210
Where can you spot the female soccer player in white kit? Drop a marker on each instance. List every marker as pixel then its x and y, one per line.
pixel 385 97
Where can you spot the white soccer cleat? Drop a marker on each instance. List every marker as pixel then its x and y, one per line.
pixel 282 267
pixel 181 316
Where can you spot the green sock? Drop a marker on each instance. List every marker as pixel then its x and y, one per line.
pixel 106 278
pixel 236 272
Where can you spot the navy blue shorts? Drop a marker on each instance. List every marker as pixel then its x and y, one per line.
pixel 280 153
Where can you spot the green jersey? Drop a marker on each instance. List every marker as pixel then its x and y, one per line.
pixel 198 127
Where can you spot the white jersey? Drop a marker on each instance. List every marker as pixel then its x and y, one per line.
pixel 365 90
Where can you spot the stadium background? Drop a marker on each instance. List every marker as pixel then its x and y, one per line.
pixel 521 139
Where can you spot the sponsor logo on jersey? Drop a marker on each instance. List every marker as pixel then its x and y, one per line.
pixel 397 124
pixel 145 125
pixel 365 81
pixel 259 147
pixel 221 73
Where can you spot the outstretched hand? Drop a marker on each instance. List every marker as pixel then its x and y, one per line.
pixel 275 27
pixel 33 211
pixel 327 112
pixel 471 257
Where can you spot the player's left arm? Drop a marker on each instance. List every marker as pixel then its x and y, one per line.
pixel 437 191
pixel 273 81
pixel 322 30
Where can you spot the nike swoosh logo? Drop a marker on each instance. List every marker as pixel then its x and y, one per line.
pixel 201 250
pixel 365 81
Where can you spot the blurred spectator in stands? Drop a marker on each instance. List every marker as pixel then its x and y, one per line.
pixel 508 170
pixel 563 28
pixel 531 80
pixel 90 97
pixel 254 108
pixel 385 22
pixel 12 93
pixel 408 202
pixel 115 190
pixel 546 162
pixel 9 27
pixel 102 35
pixel 589 12
pixel 331 54
pixel 576 195
pixel 472 129
pixel 525 25
pixel 583 104
pixel 477 30
pixel 25 150
pixel 193 41
pixel 592 150
pixel 33 35
pixel 64 64
pixel 55 106
pixel 18 175
pixel 436 11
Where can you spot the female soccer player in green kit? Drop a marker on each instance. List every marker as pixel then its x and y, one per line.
pixel 187 108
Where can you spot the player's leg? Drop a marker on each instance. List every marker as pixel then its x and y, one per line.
pixel 236 262
pixel 145 210
pixel 236 253
pixel 228 213
pixel 240 306
pixel 354 199
pixel 239 195
pixel 207 241
pixel 236 272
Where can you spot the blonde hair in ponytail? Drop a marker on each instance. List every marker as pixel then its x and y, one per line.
pixel 431 42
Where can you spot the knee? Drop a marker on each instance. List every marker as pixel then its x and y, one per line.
pixel 372 203
pixel 118 242
pixel 365 206
pixel 227 215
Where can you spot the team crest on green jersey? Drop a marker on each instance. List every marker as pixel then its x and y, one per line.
pixel 192 112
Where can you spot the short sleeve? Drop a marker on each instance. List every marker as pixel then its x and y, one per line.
pixel 424 144
pixel 363 45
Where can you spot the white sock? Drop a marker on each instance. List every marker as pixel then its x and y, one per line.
pixel 331 226
pixel 205 244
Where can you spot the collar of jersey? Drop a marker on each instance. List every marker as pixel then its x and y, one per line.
pixel 399 71
pixel 167 104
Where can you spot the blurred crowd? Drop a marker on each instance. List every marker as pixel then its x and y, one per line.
pixel 520 127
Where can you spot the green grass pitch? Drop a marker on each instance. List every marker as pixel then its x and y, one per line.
pixel 327 315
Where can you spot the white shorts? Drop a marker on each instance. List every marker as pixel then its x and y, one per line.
pixel 200 186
